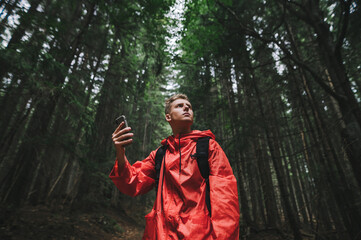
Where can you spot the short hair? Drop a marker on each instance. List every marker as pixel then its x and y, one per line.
pixel 169 101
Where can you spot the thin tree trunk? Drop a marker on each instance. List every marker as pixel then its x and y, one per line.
pixel 317 168
pixel 275 155
pixel 28 159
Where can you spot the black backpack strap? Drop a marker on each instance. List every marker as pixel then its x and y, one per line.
pixel 159 155
pixel 203 165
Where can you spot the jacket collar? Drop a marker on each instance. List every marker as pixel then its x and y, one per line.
pixel 182 139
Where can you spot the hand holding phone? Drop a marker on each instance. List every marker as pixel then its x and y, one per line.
pixel 122 136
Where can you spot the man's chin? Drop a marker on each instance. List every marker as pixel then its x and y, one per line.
pixel 186 121
pixel 188 118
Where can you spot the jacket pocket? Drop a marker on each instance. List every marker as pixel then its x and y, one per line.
pixel 150 226
pixel 196 226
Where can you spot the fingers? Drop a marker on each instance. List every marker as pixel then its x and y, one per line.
pixel 122 137
pixel 118 138
pixel 123 143
pixel 119 127
pixel 120 131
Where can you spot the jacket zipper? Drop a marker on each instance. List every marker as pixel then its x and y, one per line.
pixel 161 189
pixel 180 155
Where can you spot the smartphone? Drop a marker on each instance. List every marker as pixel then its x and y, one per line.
pixel 120 119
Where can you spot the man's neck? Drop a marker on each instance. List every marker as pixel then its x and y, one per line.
pixel 181 131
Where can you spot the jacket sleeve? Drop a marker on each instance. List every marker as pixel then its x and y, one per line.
pixel 223 194
pixel 134 179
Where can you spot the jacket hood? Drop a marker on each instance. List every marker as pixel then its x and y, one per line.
pixel 179 139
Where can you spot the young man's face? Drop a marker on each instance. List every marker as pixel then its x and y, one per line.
pixel 180 111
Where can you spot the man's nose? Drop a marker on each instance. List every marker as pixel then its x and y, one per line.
pixel 186 108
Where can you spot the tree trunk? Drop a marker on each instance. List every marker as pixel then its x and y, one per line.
pixel 28 159
pixel 275 156
pixel 330 53
pixel 316 166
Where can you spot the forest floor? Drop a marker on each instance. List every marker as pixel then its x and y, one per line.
pixel 40 222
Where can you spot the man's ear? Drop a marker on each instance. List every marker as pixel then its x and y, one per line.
pixel 168 117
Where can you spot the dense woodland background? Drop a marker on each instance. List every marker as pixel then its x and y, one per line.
pixel 278 82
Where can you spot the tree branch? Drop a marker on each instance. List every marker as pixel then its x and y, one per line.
pixel 293 11
pixel 317 78
pixel 297 61
pixel 344 21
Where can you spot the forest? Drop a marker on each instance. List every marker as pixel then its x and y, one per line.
pixel 278 83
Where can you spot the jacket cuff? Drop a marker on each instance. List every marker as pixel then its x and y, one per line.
pixel 121 172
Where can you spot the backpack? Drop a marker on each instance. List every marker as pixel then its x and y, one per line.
pixel 202 160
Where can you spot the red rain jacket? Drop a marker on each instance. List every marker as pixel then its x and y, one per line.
pixel 180 210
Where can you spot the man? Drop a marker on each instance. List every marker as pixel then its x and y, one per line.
pixel 180 210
